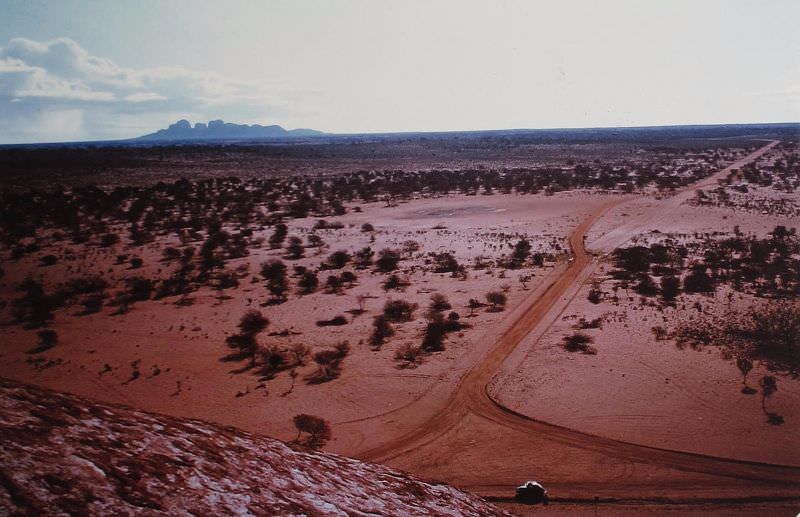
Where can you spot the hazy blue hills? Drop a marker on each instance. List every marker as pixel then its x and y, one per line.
pixel 218 130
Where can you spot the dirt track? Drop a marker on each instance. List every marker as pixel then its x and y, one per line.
pixel 475 443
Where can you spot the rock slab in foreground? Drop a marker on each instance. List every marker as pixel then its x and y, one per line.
pixel 64 455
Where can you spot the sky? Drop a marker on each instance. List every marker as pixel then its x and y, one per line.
pixel 89 70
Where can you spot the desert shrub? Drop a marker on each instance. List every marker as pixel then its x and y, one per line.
pixel 595 294
pixel 85 285
pixel 382 329
pixel 348 277
pixel 322 224
pixel 329 363
pixel 670 288
pixel 387 260
pixel 317 429
pixel 583 323
pixel 367 227
pixel 410 247
pixel 47 339
pixel 696 334
pixel 646 286
pixel 435 330
pixel 335 321
pixel 177 284
pixel 473 304
pixel 522 250
pixel 139 288
pixel 315 241
pixel 660 333
pixel 274 359
pixel 295 249
pixel 278 287
pixel 35 308
pixel 273 269
pixel 395 282
pixel 122 302
pixel 408 356
pixel 278 236
pixel 772 332
pixel 399 311
pixel 333 285
pixel 497 299
pixel 363 258
pixel 253 322
pixel 579 342
pixel 48 260
pixel 336 260
pixel 92 303
pixel 635 259
pixel 170 253
pixel 698 281
pixel 444 262
pixel 308 282
pixel 439 303
pixel 109 239
pixel 136 263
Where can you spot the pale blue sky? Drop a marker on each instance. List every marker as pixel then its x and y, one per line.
pixel 75 70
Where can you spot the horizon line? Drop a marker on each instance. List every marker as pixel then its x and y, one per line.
pixel 326 134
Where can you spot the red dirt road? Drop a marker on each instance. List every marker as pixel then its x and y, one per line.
pixel 475 443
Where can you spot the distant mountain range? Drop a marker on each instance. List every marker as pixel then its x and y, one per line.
pixel 219 130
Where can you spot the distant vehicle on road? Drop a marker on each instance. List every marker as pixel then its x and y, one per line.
pixel 532 492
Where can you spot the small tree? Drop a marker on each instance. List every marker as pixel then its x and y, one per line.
pixel 745 365
pixel 769 385
pixel 472 305
pixel 318 430
pixel 251 324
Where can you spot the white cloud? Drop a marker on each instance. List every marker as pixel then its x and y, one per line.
pixel 59 76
